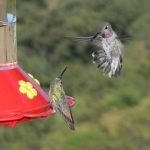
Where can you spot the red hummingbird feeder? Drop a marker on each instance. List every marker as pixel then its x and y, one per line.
pixel 21 97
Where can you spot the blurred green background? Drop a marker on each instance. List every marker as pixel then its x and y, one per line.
pixel 110 114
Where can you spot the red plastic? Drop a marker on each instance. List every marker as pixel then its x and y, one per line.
pixel 17 106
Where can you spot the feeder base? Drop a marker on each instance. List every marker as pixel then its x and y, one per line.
pixel 21 97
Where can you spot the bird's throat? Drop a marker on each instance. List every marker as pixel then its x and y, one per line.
pixel 106 35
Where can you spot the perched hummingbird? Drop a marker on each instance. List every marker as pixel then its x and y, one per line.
pixel 109 58
pixel 59 101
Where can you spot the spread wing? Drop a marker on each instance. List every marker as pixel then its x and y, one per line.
pixel 112 64
pixel 102 61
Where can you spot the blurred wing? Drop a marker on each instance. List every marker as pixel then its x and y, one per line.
pixel 95 40
pixel 124 38
pixel 88 38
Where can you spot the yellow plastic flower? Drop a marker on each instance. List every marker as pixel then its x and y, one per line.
pixel 36 80
pixel 28 89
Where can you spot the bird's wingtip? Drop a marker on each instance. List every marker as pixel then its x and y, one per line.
pixel 71 126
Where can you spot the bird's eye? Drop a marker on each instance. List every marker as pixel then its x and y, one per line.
pixel 106 27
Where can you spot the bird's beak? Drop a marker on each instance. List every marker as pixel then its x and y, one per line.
pixel 61 75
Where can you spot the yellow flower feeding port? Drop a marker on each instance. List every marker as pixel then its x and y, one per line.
pixel 28 89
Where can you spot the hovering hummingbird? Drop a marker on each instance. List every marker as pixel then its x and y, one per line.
pixel 109 58
pixel 59 101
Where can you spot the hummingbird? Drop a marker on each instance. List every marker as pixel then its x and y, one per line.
pixel 109 57
pixel 59 101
